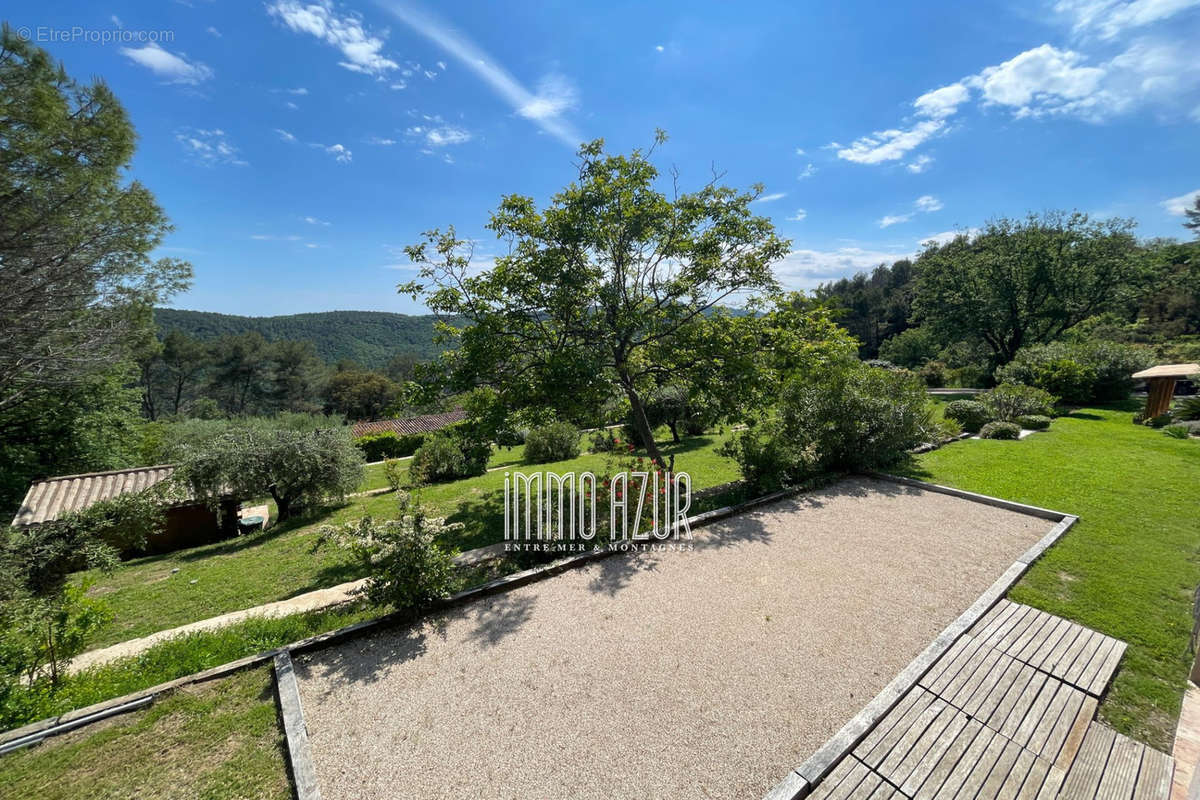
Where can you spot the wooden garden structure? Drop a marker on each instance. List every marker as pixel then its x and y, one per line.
pixel 1160 385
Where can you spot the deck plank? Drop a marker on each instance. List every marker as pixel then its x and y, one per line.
pixel 1083 779
pixel 1154 776
pixel 1121 773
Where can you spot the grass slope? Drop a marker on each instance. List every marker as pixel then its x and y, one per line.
pixel 146 595
pixel 217 741
pixel 1130 565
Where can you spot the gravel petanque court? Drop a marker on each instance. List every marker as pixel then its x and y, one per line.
pixel 703 674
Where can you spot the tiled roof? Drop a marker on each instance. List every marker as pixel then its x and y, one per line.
pixel 426 423
pixel 49 499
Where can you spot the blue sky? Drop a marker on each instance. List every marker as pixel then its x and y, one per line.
pixel 297 145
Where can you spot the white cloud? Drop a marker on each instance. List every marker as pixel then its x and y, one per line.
pixel 381 141
pixel 315 221
pixel 1175 206
pixel 919 164
pixel 213 31
pixel 799 151
pixel 339 152
pixel 928 203
pixel 299 90
pixel 808 171
pixel 284 135
pixel 398 85
pixel 117 21
pixel 439 136
pixel 208 147
pixel 889 145
pixel 804 269
pixel 170 67
pixel 946 237
pixel 798 216
pixel 1109 18
pixel 943 102
pixel 292 105
pixel 659 48
pixel 1040 80
pixel 490 71
pixel 894 219
pixel 770 198
pixel 441 65
pixel 360 49
pixel 555 95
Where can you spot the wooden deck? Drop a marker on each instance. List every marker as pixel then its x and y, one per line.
pixel 1006 712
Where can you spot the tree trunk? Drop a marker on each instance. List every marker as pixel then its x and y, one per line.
pixel 642 425
pixel 282 503
pixel 674 426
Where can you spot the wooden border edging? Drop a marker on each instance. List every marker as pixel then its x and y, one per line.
pixel 797 783
pixel 52 726
pixel 304 773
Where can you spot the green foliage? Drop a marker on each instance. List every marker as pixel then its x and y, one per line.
pixel 370 338
pixel 166 441
pixel 603 290
pixel 1161 421
pixel 911 348
pixel 1008 401
pixel 395 472
pixel 1034 422
pixel 557 441
pixel 125 522
pixel 360 395
pixel 1188 408
pixel 389 444
pixel 604 440
pixel 1079 371
pixel 407 568
pixel 298 469
pixel 970 414
pixel 1177 431
pixel 1023 282
pixel 849 418
pixel 1000 430
pixel 874 307
pixel 448 455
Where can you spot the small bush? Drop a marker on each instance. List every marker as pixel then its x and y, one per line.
pixel 1011 400
pixel 407 568
pixel 557 441
pixel 970 414
pixel 1161 421
pixel 1188 408
pixel 394 471
pixel 389 444
pixel 448 457
pixel 1177 431
pixel 1000 430
pixel 605 440
pixel 933 373
pixel 1034 422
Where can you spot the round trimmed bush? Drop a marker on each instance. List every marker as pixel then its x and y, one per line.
pixel 1001 430
pixel 970 414
pixel 1034 422
pixel 557 441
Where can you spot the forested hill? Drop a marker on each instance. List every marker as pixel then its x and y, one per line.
pixel 369 337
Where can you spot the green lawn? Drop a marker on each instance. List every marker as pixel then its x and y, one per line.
pixel 216 741
pixel 1128 567
pixel 147 596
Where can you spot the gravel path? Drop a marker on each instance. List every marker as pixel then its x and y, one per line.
pixel 704 674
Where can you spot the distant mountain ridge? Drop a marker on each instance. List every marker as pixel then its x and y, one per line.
pixel 371 338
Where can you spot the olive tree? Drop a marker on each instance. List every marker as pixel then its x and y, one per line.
pixel 595 289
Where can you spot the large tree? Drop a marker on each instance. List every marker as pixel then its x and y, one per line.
pixel 597 285
pixel 1021 282
pixel 75 237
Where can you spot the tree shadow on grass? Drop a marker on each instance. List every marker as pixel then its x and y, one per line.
pixel 482 518
pixel 244 541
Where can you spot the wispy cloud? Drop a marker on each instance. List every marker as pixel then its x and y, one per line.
pixel 555 94
pixel 799 216
pixel 770 198
pixel 808 171
pixel 211 31
pixel 285 135
pixel 928 203
pixel 209 147
pixel 171 67
pixel 925 204
pixel 380 141
pixel 315 221
pixel 440 135
pixel 339 152
pixel 889 220
pixel 1175 206
pixel 360 50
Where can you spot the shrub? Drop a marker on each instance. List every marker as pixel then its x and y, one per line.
pixel 910 348
pixel 448 455
pixel 407 568
pixel 299 469
pixel 933 373
pixel 1188 408
pixel 1000 430
pixel 394 471
pixel 1080 371
pixel 389 444
pixel 557 441
pixel 851 417
pixel 1177 431
pixel 971 376
pixel 1161 421
pixel 605 440
pixel 970 414
pixel 1011 400
pixel 1034 422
